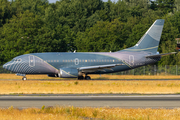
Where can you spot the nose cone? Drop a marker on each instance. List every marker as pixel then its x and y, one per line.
pixel 5 66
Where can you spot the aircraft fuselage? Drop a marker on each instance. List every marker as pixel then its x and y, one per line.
pixel 51 63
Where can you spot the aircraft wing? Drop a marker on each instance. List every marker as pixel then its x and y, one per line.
pixel 98 67
pixel 159 55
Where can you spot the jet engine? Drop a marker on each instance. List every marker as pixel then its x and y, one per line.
pixel 68 73
pixel 52 75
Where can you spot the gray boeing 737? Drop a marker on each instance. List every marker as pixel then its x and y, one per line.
pixel 80 64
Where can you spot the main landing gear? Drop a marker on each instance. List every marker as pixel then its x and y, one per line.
pixel 87 77
pixel 84 78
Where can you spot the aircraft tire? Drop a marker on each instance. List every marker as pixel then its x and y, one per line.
pixel 88 78
pixel 80 77
pixel 24 78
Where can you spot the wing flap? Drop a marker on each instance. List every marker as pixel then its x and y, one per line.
pixel 159 55
pixel 96 68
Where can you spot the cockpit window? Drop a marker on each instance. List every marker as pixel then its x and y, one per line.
pixel 17 60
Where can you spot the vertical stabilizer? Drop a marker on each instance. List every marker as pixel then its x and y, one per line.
pixel 150 40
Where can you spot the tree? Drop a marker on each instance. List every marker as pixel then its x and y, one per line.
pixel 5 11
pixel 103 36
pixel 78 14
pixel 119 10
pixel 35 6
pixel 166 6
pixel 17 35
pixel 168 43
pixel 177 5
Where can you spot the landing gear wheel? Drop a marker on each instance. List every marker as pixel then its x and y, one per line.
pixel 87 77
pixel 24 78
pixel 80 77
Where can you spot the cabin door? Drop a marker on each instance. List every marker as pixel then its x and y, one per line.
pixel 31 61
pixel 131 60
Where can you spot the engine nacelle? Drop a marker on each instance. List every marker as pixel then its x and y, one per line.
pixel 68 73
pixel 52 75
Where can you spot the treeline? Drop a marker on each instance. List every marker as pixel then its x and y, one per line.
pixel 29 26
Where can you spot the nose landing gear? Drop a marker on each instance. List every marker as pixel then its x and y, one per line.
pixel 24 76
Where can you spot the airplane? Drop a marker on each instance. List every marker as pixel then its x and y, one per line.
pixel 81 64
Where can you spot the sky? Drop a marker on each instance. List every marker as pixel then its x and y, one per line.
pixel 54 1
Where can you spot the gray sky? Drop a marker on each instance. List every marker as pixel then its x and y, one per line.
pixel 54 1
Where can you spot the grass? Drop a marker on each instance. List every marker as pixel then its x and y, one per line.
pixel 81 87
pixel 74 86
pixel 75 113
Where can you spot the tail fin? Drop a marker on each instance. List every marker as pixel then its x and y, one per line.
pixel 150 40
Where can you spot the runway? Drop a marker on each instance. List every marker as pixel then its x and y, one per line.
pixel 91 100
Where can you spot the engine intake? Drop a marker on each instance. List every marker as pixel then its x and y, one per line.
pixel 68 73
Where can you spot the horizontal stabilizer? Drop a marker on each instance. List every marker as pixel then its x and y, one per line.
pixel 159 55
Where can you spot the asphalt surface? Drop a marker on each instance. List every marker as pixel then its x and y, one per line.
pixel 91 100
